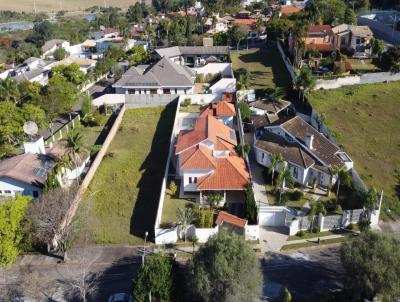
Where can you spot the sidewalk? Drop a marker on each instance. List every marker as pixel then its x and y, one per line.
pixel 315 239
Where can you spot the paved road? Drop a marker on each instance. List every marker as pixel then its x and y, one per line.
pixel 308 274
pixel 43 279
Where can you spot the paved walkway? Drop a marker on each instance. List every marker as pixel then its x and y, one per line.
pixel 315 239
pixel 256 173
pixel 272 238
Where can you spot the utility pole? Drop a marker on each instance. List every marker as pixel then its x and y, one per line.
pixel 34 6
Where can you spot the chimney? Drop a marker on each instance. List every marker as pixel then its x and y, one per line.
pixel 35 147
pixel 309 141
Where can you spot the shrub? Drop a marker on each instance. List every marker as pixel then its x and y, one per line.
pixel 315 229
pixel 205 218
pixel 186 102
pixel 199 78
pixel 172 188
pixel 351 226
pixel 301 233
pixel 94 150
pixel 297 195
pixel 284 199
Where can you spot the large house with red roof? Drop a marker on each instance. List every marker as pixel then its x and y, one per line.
pixel 223 110
pixel 206 159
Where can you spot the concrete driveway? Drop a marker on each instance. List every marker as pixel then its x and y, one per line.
pixel 272 238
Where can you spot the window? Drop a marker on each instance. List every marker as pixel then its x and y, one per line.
pixel 295 172
pixel 195 180
pixel 7 192
pixel 190 180
pixel 1 191
pixel 166 91
pixel 262 156
pixel 131 91
pixel 35 194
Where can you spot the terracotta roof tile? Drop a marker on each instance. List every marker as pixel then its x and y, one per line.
pixel 198 157
pixel 290 9
pixel 231 174
pixel 248 22
pixel 321 47
pixel 224 217
pixel 218 108
pixel 209 128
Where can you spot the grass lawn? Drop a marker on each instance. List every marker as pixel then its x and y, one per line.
pixel 190 109
pixel 265 65
pixel 96 135
pixel 171 205
pixel 308 235
pixel 364 65
pixel 365 120
pixel 314 243
pixel 121 202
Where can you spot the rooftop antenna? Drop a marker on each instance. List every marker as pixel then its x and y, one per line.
pixel 30 128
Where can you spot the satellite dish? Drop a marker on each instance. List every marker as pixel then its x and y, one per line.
pixel 30 128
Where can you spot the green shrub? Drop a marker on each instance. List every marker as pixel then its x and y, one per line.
pixel 351 226
pixel 315 229
pixel 173 188
pixel 98 118
pixel 199 78
pixel 94 150
pixel 297 195
pixel 186 102
pixel 301 233
pixel 205 218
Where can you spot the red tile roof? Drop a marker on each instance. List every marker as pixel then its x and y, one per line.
pixel 248 22
pixel 231 174
pixel 290 9
pixel 326 47
pixel 198 157
pixel 224 217
pixel 218 108
pixel 316 29
pixel 209 128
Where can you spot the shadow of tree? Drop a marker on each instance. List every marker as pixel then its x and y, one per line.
pixel 145 210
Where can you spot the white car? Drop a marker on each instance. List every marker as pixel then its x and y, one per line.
pixel 120 297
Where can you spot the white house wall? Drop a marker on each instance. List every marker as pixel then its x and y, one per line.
pixel 15 186
pixel 191 187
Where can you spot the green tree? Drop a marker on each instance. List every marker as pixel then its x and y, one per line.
pixel 155 277
pixel 138 55
pixel 372 267
pixel 60 53
pixel 34 113
pixel 332 11
pixel 377 47
pixel 242 149
pixel 343 179
pixel 185 217
pixel 42 31
pixel 243 79
pixel 236 34
pixel 9 90
pixel 250 207
pixel 312 11
pixel 350 16
pixel 12 215
pixel 75 148
pixel 305 81
pixel 71 73
pixel 278 28
pixel 284 179
pixel 61 96
pixel 245 111
pixel 220 39
pixel 194 240
pixel 391 59
pixel 276 160
pixel 225 269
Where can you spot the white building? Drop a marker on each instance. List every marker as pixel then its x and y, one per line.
pixel 309 155
pixel 163 77
pixel 52 45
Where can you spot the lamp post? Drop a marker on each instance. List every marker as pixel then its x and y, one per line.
pixel 144 247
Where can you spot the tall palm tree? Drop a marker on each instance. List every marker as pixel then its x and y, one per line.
pixel 284 177
pixel 343 177
pixel 62 163
pixel 186 217
pixel 276 159
pixel 278 94
pixel 74 148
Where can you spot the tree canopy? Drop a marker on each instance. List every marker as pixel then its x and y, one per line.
pixel 372 266
pixel 12 215
pixel 225 269
pixel 156 276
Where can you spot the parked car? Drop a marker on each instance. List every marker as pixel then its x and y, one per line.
pixel 120 297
